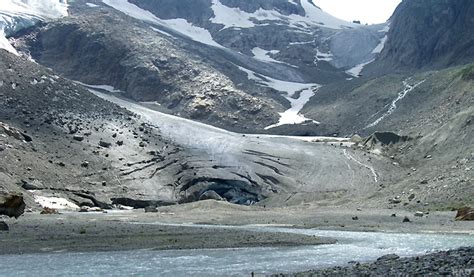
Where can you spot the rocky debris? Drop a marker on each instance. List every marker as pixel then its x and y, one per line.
pixel 447 263
pixel 151 209
pixel 210 194
pixel 465 214
pixel 140 204
pixel 419 214
pixel 47 210
pixel 380 139
pixel 14 132
pixel 32 185
pixel 388 257
pixel 78 138
pixel 4 226
pixel 105 144
pixel 12 205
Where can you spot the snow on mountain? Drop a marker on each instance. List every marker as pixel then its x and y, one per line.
pixel 18 14
pixel 237 18
pixel 298 94
pixel 178 25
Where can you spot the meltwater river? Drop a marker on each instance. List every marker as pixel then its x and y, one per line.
pixel 351 246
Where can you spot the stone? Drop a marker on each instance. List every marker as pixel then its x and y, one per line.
pixel 47 210
pixel 105 144
pixel 406 219
pixel 4 226
pixel 151 209
pixel 78 138
pixel 355 218
pixel 419 214
pixel 12 205
pixel 465 214
pixel 84 209
pixel 85 164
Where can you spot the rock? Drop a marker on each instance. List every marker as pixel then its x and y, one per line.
pixel 388 257
pixel 394 201
pixel 84 209
pixel 394 215
pixel 78 138
pixel 355 218
pixel 140 204
pixel 406 219
pixel 411 196
pixel 14 132
pixel 85 164
pixel 31 185
pixel 12 205
pixel 47 210
pixel 4 226
pixel 210 194
pixel 105 144
pixel 119 142
pixel 465 214
pixel 419 214
pixel 142 144
pixel 151 209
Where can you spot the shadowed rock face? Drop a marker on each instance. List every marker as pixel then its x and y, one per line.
pixel 430 34
pixel 12 205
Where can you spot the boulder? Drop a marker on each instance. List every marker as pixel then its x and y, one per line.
pixel 465 214
pixel 12 205
pixel 13 132
pixel 105 144
pixel 419 214
pixel 151 209
pixel 4 226
pixel 47 210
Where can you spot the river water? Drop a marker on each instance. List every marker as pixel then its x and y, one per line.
pixel 351 246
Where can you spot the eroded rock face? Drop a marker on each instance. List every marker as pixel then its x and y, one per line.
pixel 12 205
pixel 430 33
pixel 465 214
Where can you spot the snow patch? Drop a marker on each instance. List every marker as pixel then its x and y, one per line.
pixel 102 87
pixel 262 55
pixel 304 91
pixel 237 18
pixel 356 70
pixel 90 5
pixel 56 203
pixel 178 25
pixel 378 49
pixel 321 56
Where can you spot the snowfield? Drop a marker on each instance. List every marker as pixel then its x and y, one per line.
pixel 177 25
pixel 16 14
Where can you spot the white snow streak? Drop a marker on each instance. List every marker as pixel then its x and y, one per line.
pixel 262 55
pixel 305 90
pixel 178 25
pixel 393 106
pixel 356 70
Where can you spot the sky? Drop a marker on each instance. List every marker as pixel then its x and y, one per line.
pixel 367 11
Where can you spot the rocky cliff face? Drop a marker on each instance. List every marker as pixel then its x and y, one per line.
pixel 429 34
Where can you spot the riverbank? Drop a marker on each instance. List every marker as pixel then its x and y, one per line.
pixel 459 262
pixel 127 230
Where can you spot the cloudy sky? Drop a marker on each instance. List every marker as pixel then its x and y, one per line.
pixel 367 11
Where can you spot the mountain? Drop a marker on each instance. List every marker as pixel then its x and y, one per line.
pixel 429 35
pixel 161 102
pixel 271 59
